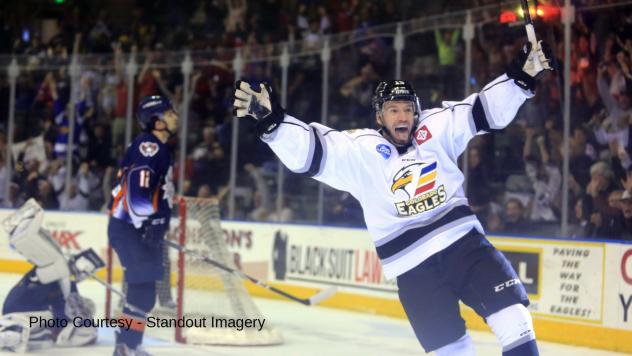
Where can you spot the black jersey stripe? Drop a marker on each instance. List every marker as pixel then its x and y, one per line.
pixel 480 119
pixel 413 235
pixel 317 158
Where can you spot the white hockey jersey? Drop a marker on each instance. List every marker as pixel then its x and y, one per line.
pixel 413 203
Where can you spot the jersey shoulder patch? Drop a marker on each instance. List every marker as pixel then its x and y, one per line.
pixel 422 134
pixel 148 148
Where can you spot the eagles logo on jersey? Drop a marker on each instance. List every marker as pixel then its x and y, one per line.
pixel 418 181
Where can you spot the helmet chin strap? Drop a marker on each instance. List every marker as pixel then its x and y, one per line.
pixel 166 129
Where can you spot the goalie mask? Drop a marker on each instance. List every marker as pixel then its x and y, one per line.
pixel 395 90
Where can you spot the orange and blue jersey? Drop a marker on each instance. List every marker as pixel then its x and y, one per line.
pixel 145 185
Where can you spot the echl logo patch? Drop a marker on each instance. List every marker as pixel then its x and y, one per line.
pixel 384 150
pixel 422 135
pixel 148 149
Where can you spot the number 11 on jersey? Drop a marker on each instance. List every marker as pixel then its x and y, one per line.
pixel 144 178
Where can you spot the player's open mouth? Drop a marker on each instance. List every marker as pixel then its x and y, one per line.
pixel 401 129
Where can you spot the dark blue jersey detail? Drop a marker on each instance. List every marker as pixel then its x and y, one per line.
pixel 145 181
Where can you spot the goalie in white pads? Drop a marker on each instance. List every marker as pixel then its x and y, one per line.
pixel 37 312
pixel 406 178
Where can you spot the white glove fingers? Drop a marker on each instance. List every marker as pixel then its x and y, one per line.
pixel 252 102
pixel 241 104
pixel 545 62
pixel 246 88
pixel 242 112
pixel 541 57
pixel 241 94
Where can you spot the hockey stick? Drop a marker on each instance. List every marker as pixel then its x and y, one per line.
pixel 528 25
pixel 317 298
pixel 120 294
pixel 86 264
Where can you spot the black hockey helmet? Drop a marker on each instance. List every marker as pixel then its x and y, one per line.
pixel 150 109
pixel 390 90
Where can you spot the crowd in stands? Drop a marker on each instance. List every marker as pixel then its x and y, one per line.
pixel 515 177
pixel 600 178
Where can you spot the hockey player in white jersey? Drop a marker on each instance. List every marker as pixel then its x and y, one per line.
pixel 406 178
pixel 48 293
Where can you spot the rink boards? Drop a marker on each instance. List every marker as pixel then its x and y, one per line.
pixel 581 292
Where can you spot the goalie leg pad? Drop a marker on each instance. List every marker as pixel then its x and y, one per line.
pixel 71 336
pixel 513 327
pixel 34 336
pixel 35 244
pixel 28 218
pixel 78 306
pixel 14 333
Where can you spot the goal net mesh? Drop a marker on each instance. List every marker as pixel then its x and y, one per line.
pixel 202 292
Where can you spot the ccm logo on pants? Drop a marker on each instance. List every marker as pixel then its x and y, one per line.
pixel 507 284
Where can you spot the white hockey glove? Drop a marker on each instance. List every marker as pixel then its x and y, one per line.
pixel 523 69
pixel 258 105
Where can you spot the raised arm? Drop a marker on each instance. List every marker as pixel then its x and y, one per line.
pixel 313 150
pixel 496 105
pixel 604 92
pixel 491 109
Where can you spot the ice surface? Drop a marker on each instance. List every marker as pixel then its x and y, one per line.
pixel 307 331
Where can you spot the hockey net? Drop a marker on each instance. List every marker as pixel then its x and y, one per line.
pixel 201 291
